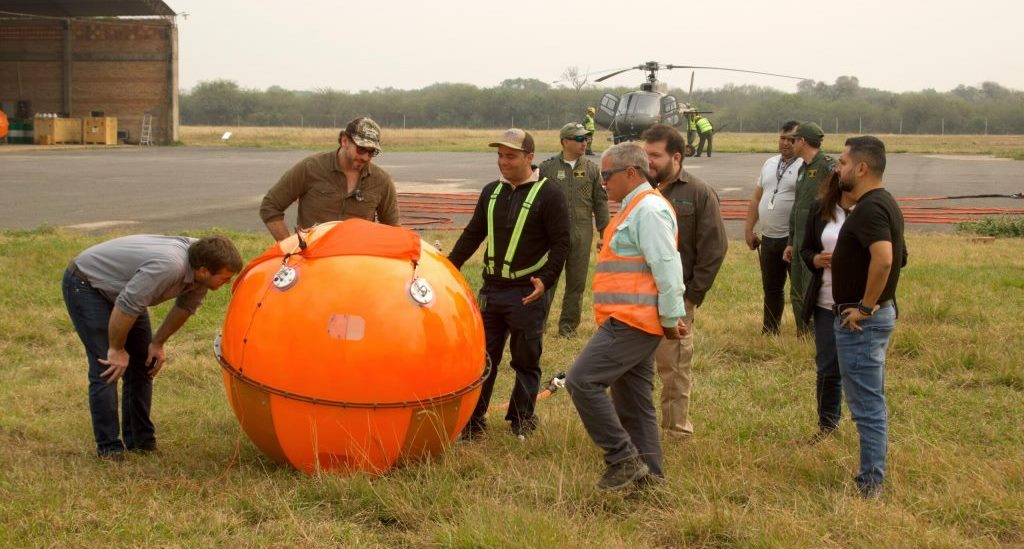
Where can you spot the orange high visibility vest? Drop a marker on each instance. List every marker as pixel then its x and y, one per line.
pixel 624 287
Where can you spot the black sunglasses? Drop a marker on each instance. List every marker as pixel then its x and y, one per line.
pixel 577 138
pixel 364 150
pixel 607 174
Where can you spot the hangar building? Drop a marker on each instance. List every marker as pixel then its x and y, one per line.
pixel 82 58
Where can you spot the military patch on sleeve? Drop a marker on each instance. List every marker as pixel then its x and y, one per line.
pixel 812 173
pixel 579 173
pixel 560 175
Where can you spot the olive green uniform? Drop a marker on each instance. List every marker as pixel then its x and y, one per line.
pixel 811 177
pixel 588 204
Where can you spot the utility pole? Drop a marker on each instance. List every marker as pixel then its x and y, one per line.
pixel 837 125
pixel 943 126
pixel 860 125
pixel 901 125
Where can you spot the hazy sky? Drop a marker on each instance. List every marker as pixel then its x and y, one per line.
pixel 889 44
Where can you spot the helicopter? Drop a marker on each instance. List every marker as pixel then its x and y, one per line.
pixel 628 116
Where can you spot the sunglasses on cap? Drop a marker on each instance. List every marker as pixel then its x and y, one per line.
pixel 577 138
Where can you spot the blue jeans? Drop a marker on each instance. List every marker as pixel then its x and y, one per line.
pixel 862 366
pixel 90 314
pixel 829 382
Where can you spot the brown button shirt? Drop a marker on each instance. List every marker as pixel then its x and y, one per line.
pixel 321 188
pixel 702 240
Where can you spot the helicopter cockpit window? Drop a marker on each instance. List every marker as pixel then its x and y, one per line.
pixel 637 103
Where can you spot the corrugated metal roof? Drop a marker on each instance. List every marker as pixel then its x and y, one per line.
pixel 86 8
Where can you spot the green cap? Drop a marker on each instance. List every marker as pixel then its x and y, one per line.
pixel 572 129
pixel 808 130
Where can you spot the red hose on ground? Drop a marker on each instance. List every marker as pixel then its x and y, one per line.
pixel 431 211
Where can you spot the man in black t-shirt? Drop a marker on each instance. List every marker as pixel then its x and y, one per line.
pixel 866 263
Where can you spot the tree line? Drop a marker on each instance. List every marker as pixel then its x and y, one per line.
pixel 842 106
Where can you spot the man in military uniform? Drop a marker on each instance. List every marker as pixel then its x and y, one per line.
pixel 580 181
pixel 806 139
pixel 335 185
pixel 588 124
pixel 525 222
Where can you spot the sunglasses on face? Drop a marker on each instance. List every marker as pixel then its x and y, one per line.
pixel 607 174
pixel 372 152
pixel 577 138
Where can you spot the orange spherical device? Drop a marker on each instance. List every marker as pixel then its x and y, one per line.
pixel 352 347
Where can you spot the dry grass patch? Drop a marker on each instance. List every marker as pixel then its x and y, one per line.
pixel 954 384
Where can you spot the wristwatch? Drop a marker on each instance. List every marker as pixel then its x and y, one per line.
pixel 864 309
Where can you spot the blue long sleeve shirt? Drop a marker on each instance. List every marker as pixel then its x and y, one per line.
pixel 650 232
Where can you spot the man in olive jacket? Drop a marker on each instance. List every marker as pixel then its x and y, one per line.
pixel 806 141
pixel 702 247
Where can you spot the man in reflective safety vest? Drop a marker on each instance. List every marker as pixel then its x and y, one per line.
pixel 588 124
pixel 706 133
pixel 638 299
pixel 525 222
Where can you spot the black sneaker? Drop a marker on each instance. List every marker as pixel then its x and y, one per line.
pixel 116 454
pixel 144 449
pixel 524 428
pixel 823 434
pixel 473 432
pixel 622 474
pixel 870 490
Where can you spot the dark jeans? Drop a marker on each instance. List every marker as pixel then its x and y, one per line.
pixel 90 314
pixel 506 317
pixel 830 383
pixel 612 386
pixel 773 280
pixel 706 136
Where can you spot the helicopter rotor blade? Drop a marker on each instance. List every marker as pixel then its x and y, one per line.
pixel 690 93
pixel 734 70
pixel 588 74
pixel 609 75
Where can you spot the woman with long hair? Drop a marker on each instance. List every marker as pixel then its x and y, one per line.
pixel 820 237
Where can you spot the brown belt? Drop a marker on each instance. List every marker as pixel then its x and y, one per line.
pixel 77 273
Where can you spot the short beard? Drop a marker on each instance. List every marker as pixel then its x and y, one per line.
pixel 664 174
pixel 847 185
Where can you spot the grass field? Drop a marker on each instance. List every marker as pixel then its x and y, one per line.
pixel 462 140
pixel 955 387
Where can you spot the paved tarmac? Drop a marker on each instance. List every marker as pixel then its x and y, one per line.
pixel 169 189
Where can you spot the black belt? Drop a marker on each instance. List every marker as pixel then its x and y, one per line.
pixel 77 273
pixel 838 308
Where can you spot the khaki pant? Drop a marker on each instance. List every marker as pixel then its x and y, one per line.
pixel 674 359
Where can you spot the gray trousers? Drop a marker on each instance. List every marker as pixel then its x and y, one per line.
pixel 624 424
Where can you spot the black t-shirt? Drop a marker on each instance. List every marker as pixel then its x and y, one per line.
pixel 877 217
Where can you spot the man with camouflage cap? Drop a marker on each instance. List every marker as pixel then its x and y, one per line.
pixel 335 185
pixel 580 181
pixel 806 139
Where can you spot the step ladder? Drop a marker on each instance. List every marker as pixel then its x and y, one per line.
pixel 146 136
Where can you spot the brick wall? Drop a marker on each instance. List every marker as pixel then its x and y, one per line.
pixel 122 67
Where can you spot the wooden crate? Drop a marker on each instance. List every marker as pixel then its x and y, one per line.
pixel 100 131
pixel 53 131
